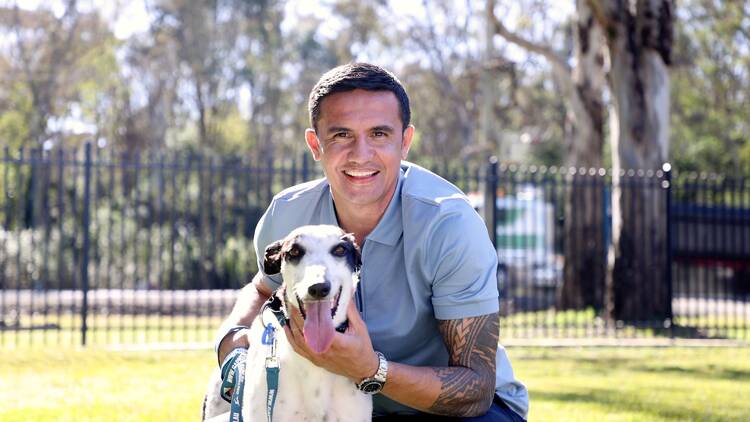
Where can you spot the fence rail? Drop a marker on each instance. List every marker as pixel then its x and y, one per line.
pixel 105 247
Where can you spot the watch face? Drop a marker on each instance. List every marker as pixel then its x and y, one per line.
pixel 371 387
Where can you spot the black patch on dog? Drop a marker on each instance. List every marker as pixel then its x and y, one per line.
pixel 292 251
pixel 272 258
pixel 353 254
pixel 288 250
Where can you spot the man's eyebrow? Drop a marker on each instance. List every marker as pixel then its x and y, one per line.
pixel 382 128
pixel 334 129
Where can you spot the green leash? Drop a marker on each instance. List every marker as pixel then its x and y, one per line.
pixel 233 379
pixel 272 370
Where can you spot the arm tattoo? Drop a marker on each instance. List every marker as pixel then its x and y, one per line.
pixel 469 380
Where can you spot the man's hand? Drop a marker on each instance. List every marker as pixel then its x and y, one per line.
pixel 351 353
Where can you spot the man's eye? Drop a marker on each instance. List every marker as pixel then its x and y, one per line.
pixel 339 250
pixel 341 135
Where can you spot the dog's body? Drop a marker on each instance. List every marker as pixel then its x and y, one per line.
pixel 318 265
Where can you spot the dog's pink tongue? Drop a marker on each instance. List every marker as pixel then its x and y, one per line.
pixel 318 327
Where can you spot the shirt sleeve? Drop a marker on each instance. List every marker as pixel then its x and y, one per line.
pixel 464 262
pixel 264 236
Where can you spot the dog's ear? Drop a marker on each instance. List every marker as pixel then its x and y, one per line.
pixel 355 255
pixel 272 258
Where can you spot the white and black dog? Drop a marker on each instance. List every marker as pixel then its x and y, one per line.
pixel 319 267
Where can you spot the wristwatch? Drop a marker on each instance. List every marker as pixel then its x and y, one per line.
pixel 374 384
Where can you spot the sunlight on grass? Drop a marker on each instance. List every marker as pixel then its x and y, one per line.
pixel 587 324
pixel 566 384
pixel 636 384
pixel 97 385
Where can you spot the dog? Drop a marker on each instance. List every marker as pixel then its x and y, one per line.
pixel 319 267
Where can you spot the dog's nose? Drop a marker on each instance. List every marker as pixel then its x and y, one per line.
pixel 320 290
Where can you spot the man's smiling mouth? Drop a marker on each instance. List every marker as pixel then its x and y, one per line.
pixel 360 173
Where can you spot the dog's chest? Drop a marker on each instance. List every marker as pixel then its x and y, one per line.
pixel 305 393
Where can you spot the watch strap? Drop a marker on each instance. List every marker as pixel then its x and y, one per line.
pixel 379 377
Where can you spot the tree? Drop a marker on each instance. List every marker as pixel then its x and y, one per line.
pixel 639 40
pixel 710 130
pixel 49 61
pixel 582 89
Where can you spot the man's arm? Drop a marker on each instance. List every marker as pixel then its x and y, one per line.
pixel 248 304
pixel 466 386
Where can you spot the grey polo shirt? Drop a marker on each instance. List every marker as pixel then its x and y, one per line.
pixel 428 259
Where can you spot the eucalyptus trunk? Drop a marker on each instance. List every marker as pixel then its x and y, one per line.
pixel 585 263
pixel 640 39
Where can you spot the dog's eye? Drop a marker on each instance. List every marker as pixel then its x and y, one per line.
pixel 339 250
pixel 295 251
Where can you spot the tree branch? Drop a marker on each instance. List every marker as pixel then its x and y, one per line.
pixel 600 14
pixel 529 45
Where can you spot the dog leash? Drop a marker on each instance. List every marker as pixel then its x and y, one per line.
pixel 233 377
pixel 273 304
pixel 272 370
pixel 272 361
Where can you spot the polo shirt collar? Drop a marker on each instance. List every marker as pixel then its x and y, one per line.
pixel 390 227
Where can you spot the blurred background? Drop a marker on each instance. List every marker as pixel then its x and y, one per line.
pixel 232 77
pixel 142 140
pixel 605 143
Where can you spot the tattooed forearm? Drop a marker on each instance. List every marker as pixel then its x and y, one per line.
pixel 468 383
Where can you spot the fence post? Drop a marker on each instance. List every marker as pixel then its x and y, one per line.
pixel 85 223
pixel 490 200
pixel 667 185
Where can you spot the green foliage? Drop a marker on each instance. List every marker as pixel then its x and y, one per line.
pixel 710 82
pixel 233 77
pixel 233 134
pixel 15 109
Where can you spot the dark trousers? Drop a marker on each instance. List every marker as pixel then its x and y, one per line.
pixel 499 412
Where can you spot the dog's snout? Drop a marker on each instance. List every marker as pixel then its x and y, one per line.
pixel 320 290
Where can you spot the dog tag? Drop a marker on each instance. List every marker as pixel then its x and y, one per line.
pixel 268 335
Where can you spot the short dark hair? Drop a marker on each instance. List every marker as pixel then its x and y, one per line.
pixel 353 76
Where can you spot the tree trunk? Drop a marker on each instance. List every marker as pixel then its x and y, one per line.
pixel 585 265
pixel 639 43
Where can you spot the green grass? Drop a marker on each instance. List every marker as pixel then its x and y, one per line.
pixel 636 384
pixel 566 384
pixel 586 324
pixel 97 385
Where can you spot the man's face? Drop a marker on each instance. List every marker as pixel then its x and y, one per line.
pixel 360 141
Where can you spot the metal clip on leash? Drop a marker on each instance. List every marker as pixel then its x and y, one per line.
pixel 272 369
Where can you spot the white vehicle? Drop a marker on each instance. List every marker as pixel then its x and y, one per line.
pixel 525 237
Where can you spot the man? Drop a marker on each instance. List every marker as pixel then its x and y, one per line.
pixel 428 298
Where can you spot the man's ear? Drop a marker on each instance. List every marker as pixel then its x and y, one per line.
pixel 311 138
pixel 354 258
pixel 406 141
pixel 272 258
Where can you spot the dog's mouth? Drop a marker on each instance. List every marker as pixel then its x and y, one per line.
pixel 318 316
pixel 334 308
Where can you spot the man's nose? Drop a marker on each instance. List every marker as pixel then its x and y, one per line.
pixel 361 150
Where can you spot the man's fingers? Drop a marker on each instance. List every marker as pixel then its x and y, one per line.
pixel 352 314
pixel 294 336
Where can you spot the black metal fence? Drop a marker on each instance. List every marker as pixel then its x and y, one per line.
pixel 102 247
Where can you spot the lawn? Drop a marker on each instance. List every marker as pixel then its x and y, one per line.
pixel 566 384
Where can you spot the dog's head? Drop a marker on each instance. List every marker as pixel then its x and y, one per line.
pixel 319 265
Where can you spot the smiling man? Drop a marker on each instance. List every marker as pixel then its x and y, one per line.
pixel 424 334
